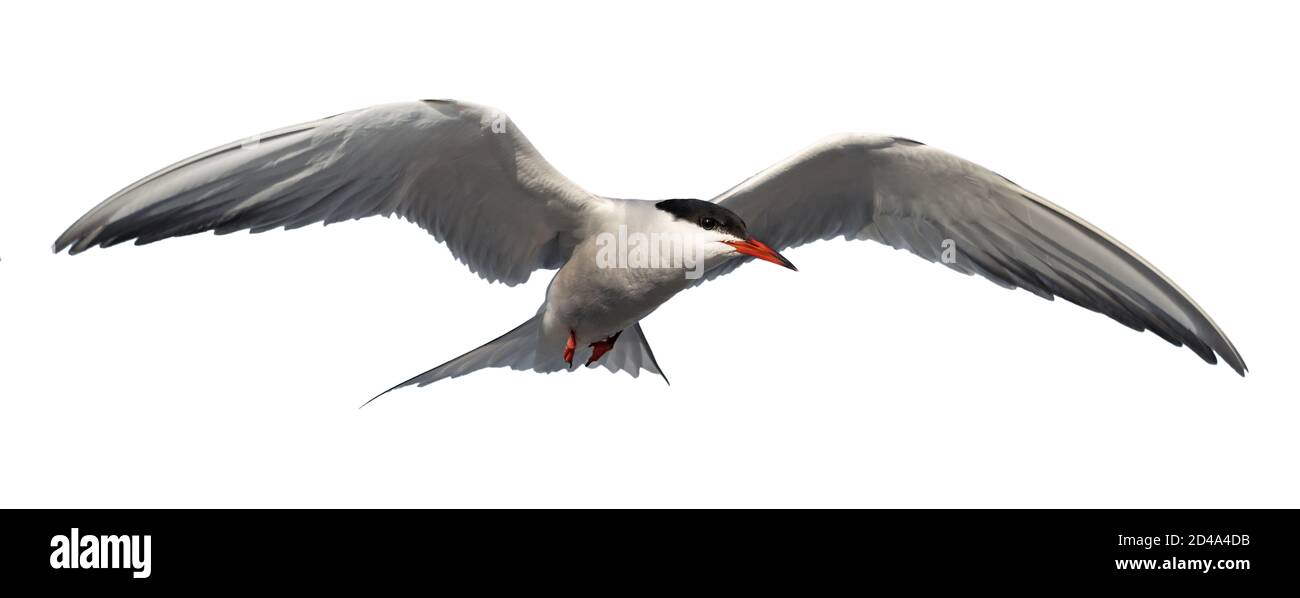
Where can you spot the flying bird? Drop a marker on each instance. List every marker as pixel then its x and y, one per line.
pixel 468 176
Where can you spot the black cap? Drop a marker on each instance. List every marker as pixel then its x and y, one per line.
pixel 706 215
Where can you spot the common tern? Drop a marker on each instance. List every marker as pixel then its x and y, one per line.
pixel 468 176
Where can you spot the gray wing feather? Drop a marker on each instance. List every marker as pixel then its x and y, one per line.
pixel 920 199
pixel 462 172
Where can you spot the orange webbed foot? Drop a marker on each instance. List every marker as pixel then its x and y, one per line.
pixel 600 348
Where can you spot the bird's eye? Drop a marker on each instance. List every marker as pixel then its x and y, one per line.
pixel 708 224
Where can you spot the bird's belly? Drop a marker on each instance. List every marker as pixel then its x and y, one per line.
pixel 598 302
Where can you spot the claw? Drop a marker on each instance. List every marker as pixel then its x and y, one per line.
pixel 599 348
pixel 568 349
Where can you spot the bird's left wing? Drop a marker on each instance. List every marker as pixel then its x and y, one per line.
pixel 948 210
pixel 462 172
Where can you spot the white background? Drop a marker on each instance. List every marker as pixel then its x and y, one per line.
pixel 208 371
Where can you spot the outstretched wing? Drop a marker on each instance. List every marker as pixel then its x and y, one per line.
pixel 462 172
pixel 945 209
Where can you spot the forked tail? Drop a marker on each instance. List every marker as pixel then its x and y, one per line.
pixel 518 349
pixel 632 354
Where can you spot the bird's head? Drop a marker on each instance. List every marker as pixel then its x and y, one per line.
pixel 723 232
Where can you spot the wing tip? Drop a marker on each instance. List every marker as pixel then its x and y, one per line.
pixel 73 246
pixel 408 382
pixel 84 234
pixel 1234 361
pixel 69 240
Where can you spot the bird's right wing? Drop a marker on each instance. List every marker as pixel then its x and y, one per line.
pixel 948 210
pixel 462 172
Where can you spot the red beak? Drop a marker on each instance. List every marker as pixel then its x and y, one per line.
pixel 761 251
